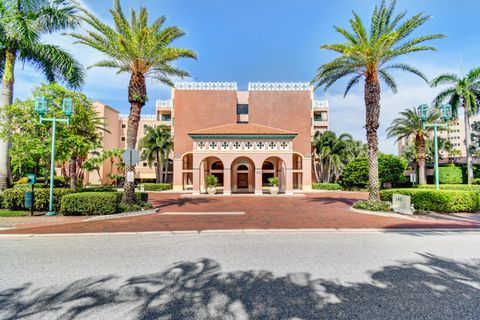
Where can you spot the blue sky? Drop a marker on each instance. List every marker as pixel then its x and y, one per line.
pixel 278 40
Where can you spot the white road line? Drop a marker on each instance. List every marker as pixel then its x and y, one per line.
pixel 204 213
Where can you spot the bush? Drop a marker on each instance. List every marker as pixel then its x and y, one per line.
pixel 14 199
pixel 90 203
pixel 446 201
pixel 212 181
pixel 450 175
pixel 1 201
pixel 273 181
pixel 372 205
pixel 98 189
pixel 355 174
pixel 157 186
pixel 462 187
pixel 326 186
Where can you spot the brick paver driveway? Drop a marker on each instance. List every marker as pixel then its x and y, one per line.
pixel 315 210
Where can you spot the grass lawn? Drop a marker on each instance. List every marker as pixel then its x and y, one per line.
pixel 11 213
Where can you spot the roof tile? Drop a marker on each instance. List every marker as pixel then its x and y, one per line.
pixel 242 129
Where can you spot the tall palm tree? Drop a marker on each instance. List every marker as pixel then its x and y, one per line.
pixel 332 153
pixel 367 55
pixel 463 91
pixel 356 149
pixel 143 51
pixel 22 23
pixel 156 146
pixel 408 126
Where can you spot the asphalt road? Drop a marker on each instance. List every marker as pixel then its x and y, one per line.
pixel 329 275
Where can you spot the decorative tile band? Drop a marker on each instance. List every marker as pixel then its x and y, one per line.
pixel 279 86
pixel 206 86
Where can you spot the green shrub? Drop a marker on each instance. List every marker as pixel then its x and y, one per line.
pixel 372 205
pixel 326 186
pixel 212 181
pixel 273 181
pixel 157 186
pixel 355 174
pixel 90 203
pixel 439 201
pixel 462 187
pixel 14 199
pixel 98 189
pixel 1 201
pixel 450 175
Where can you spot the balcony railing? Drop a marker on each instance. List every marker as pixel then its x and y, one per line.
pixel 164 104
pixel 320 104
pixel 142 117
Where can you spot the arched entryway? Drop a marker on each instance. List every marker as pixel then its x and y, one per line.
pixel 187 171
pixel 243 175
pixel 274 167
pixel 211 166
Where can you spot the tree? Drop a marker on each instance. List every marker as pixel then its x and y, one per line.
pixel 156 146
pixel 409 125
pixel 141 50
pixel 22 24
pixel 368 55
pixel 356 148
pixel 331 153
pixel 462 92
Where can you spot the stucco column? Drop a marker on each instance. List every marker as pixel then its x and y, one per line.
pixel 177 174
pixel 196 181
pixel 307 174
pixel 227 174
pixel 288 175
pixel 258 181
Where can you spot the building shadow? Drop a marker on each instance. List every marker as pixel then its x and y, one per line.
pixel 179 202
pixel 429 288
pixel 332 200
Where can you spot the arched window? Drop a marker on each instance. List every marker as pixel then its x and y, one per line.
pixel 242 167
pixel 267 165
pixel 217 165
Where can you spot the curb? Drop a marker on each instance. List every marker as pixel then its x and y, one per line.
pixel 248 232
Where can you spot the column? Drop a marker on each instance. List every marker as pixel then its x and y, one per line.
pixel 178 179
pixel 307 174
pixel 289 181
pixel 258 181
pixel 196 181
pixel 227 183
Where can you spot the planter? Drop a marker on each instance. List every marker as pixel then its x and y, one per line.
pixel 274 190
pixel 211 190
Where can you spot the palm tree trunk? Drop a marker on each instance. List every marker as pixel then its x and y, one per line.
pixel 372 106
pixel 468 142
pixel 72 168
pixel 315 169
pixel 422 179
pixel 137 94
pixel 157 169
pixel 7 99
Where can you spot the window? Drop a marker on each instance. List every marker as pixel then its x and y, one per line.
pixel 242 167
pixel 166 117
pixel 144 164
pixel 218 165
pixel 317 117
pixel 145 126
pixel 267 165
pixel 242 108
pixel 124 125
pixel 123 138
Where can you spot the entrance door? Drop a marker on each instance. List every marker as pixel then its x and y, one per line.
pixel 242 180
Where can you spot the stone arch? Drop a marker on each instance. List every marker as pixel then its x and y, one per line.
pixel 210 166
pixel 243 174
pixel 279 171
pixel 187 170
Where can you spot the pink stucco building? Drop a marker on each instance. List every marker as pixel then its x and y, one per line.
pixel 242 137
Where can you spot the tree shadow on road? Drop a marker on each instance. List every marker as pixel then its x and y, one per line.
pixel 179 202
pixel 333 200
pixel 430 288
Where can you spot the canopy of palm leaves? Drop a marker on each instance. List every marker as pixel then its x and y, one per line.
pixel 23 22
pixel 156 146
pixel 409 125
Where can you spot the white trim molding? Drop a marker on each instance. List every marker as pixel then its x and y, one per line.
pixel 164 104
pixel 320 104
pixel 142 117
pixel 279 86
pixel 206 86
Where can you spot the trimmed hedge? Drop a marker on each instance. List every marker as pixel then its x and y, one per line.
pixel 446 201
pixel 14 199
pixel 157 186
pixel 98 189
pixel 461 187
pixel 326 186
pixel 90 203
pixel 450 175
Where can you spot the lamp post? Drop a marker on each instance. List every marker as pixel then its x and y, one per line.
pixel 445 115
pixel 42 108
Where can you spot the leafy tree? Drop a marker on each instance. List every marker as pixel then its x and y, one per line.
pixel 409 126
pixel 331 153
pixel 31 140
pixel 156 146
pixel 392 169
pixel 356 148
pixel 140 49
pixel 463 92
pixel 22 24
pixel 367 55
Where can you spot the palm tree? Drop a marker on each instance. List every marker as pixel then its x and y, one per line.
pixel 156 146
pixel 463 92
pixel 332 153
pixel 408 126
pixel 367 55
pixel 141 50
pixel 356 148
pixel 22 23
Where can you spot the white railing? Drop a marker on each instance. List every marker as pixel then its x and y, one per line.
pixel 142 117
pixel 206 86
pixel 164 104
pixel 320 104
pixel 279 86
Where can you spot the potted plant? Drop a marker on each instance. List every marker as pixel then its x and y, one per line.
pixel 273 182
pixel 212 182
